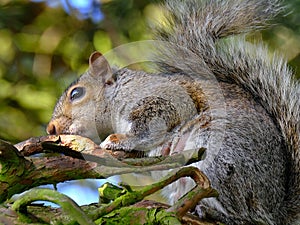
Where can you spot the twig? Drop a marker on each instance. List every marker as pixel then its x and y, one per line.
pixel 202 190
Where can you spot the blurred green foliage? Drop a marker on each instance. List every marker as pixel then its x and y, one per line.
pixel 42 49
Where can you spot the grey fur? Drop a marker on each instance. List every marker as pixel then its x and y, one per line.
pixel 216 91
pixel 264 147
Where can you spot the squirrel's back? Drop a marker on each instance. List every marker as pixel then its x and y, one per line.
pixel 201 38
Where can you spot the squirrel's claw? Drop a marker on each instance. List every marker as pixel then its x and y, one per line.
pixel 115 142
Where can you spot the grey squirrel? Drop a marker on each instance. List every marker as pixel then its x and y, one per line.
pixel 214 90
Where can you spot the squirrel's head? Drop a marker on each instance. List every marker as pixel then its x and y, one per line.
pixel 83 107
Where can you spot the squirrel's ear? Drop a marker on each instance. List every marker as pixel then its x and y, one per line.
pixel 99 66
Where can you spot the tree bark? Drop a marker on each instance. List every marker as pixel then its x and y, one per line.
pixel 69 157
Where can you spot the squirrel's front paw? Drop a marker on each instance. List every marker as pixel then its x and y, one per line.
pixel 115 142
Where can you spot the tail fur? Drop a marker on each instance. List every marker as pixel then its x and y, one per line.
pixel 203 29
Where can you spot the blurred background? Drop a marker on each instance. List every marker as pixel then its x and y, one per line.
pixel 45 45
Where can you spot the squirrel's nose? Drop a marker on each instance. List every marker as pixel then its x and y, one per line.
pixel 51 128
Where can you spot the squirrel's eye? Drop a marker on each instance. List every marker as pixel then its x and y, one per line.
pixel 77 93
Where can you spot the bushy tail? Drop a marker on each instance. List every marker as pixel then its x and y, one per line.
pixel 200 29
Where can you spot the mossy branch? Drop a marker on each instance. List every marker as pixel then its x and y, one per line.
pixel 67 204
pixel 81 158
pixel 123 202
pixel 200 191
pixel 51 169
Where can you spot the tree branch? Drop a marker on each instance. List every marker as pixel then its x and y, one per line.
pixel 20 173
pixel 21 170
pixel 67 204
